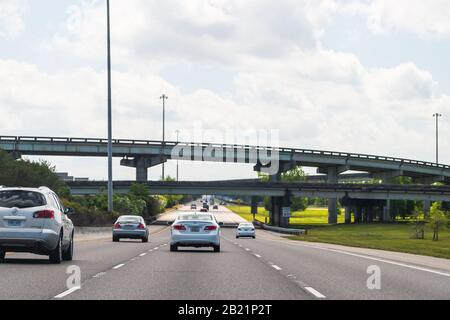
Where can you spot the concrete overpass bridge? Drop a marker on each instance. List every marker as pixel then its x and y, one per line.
pixel 357 198
pixel 143 154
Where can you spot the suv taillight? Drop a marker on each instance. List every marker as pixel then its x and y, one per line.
pixel 141 226
pixel 179 227
pixel 44 214
pixel 117 226
pixel 210 228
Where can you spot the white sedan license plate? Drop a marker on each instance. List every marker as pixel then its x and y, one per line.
pixel 195 229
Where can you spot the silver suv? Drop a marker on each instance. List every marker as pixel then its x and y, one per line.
pixel 34 220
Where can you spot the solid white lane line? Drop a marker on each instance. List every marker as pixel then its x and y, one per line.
pixel 395 263
pixel 276 267
pixel 67 292
pixel 400 264
pixel 257 255
pixel 142 254
pixel 119 266
pixel 314 292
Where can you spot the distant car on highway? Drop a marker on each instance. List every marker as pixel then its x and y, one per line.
pixel 215 207
pixel 204 210
pixel 246 229
pixel 195 230
pixel 206 206
pixel 34 220
pixel 130 227
pixel 193 206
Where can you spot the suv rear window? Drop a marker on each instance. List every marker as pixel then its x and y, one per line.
pixel 21 199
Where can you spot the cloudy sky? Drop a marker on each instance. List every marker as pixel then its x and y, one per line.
pixel 358 76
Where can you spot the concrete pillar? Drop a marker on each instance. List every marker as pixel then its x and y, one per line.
pixel 426 208
pixel 348 215
pixel 357 214
pixel 141 164
pixel 275 211
pixel 254 202
pixel 332 178
pixel 141 170
pixel 387 211
pixel 275 203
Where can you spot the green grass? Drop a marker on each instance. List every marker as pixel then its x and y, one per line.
pixel 392 237
pixel 309 217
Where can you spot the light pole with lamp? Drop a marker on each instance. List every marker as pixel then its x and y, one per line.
pixel 110 182
pixel 163 98
pixel 437 116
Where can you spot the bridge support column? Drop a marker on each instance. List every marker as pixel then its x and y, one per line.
pixel 254 209
pixel 426 208
pixel 357 214
pixel 141 170
pixel 332 177
pixel 142 164
pixel 275 205
pixel 387 211
pixel 348 215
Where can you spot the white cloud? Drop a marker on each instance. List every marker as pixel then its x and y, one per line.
pixel 424 18
pixel 12 17
pixel 213 31
pixel 282 79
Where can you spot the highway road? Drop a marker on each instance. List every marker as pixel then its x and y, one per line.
pixel 269 267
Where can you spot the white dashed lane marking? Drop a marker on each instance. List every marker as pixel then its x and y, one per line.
pixel 66 293
pixel 276 267
pixel 118 266
pixel 314 292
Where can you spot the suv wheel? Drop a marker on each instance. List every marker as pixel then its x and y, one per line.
pixel 2 256
pixel 173 247
pixel 56 254
pixel 115 239
pixel 68 254
pixel 217 248
pixel 145 239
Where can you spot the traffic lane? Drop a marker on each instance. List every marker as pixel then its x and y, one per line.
pixel 342 276
pixel 192 274
pixel 27 276
pixel 225 215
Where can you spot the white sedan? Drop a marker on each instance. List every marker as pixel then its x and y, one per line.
pixel 195 230
pixel 246 229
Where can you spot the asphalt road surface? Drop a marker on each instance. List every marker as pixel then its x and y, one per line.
pixel 269 267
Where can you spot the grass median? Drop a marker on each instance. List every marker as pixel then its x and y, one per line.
pixel 392 237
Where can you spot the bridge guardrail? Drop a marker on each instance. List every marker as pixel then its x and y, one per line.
pixel 18 139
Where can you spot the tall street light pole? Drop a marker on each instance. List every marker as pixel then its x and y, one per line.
pixel 178 133
pixel 437 116
pixel 164 98
pixel 110 183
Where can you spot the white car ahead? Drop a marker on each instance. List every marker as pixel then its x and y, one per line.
pixel 246 229
pixel 195 230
